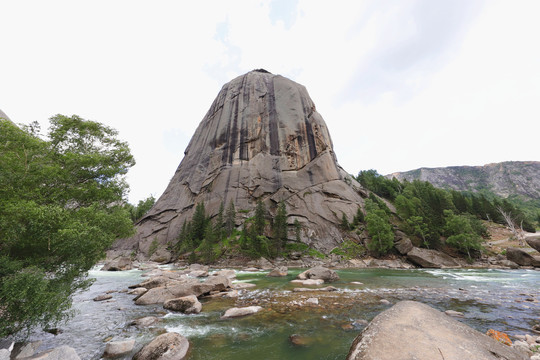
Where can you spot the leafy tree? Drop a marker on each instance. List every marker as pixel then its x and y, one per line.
pixel 379 229
pixel 60 208
pixel 461 234
pixel 138 211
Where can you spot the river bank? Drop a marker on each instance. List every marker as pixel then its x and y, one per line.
pixel 506 300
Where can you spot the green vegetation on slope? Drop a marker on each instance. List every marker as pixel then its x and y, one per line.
pixel 61 207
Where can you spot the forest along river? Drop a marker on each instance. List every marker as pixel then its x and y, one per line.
pixel 502 300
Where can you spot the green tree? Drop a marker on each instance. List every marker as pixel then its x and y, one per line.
pixel 379 229
pixel 259 219
pixel 462 234
pixel 138 211
pixel 345 225
pixel 61 207
pixel 230 219
pixel 279 229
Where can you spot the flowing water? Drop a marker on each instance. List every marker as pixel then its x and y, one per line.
pixel 502 300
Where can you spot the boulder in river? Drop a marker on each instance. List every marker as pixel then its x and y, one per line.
pixel 145 321
pixel 118 348
pixel 319 272
pixel 187 305
pixel 119 264
pixel 278 272
pixel 241 311
pixel 63 352
pixel 169 346
pixel 412 330
pixel 308 282
pixel 429 258
pixel 521 257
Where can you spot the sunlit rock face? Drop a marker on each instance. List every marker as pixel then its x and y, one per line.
pixel 261 139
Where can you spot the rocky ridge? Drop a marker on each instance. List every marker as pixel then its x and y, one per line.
pixel 503 179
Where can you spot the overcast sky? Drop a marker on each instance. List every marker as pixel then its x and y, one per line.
pixel 400 84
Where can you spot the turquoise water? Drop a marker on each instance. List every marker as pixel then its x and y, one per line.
pixel 489 299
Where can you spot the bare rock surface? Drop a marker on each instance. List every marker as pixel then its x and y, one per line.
pixel 63 352
pixel 119 264
pixel 279 272
pixel 169 346
pixel 261 139
pixel 534 242
pixel 412 330
pixel 187 305
pixel 521 257
pixel 118 348
pixel 319 272
pixel 428 258
pixel 241 311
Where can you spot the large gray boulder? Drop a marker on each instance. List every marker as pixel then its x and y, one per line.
pixel 411 330
pixel 428 258
pixel 402 243
pixel 319 272
pixel 118 348
pixel 241 311
pixel 534 242
pixel 262 139
pixel 187 305
pixel 160 294
pixel 521 257
pixel 119 264
pixel 169 346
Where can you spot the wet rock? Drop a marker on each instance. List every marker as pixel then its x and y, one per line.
pixel 299 340
pixel 242 286
pixel 118 264
pixel 118 348
pixel 161 294
pixel 319 272
pixel 312 301
pixel 279 271
pixel 54 331
pixel 169 346
pixel 521 257
pixel 213 283
pixel 536 328
pixel 24 350
pixel 187 305
pixel 137 291
pixel 230 274
pixel 327 288
pixel 417 331
pixel 454 313
pixel 60 353
pixel 356 283
pixel 308 282
pixel 153 282
pixel 103 297
pixel 428 258
pixel 145 321
pixel 242 311
pixel 384 302
pixel 534 242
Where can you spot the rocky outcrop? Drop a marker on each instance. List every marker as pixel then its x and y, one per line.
pixel 402 243
pixel 4 116
pixel 428 258
pixel 521 257
pixel 262 139
pixel 319 272
pixel 411 330
pixel 167 346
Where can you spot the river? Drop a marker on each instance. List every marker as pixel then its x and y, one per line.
pixel 506 300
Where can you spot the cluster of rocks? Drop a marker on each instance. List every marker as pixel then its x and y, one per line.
pixel 523 258
pixel 27 351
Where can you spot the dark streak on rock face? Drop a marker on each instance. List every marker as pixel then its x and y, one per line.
pixel 261 139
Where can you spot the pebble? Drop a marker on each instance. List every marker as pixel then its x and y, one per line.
pixel 454 313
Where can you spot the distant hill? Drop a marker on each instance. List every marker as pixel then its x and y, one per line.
pixel 506 179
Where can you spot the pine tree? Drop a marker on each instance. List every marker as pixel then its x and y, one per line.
pixel 259 221
pixel 279 229
pixel 230 219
